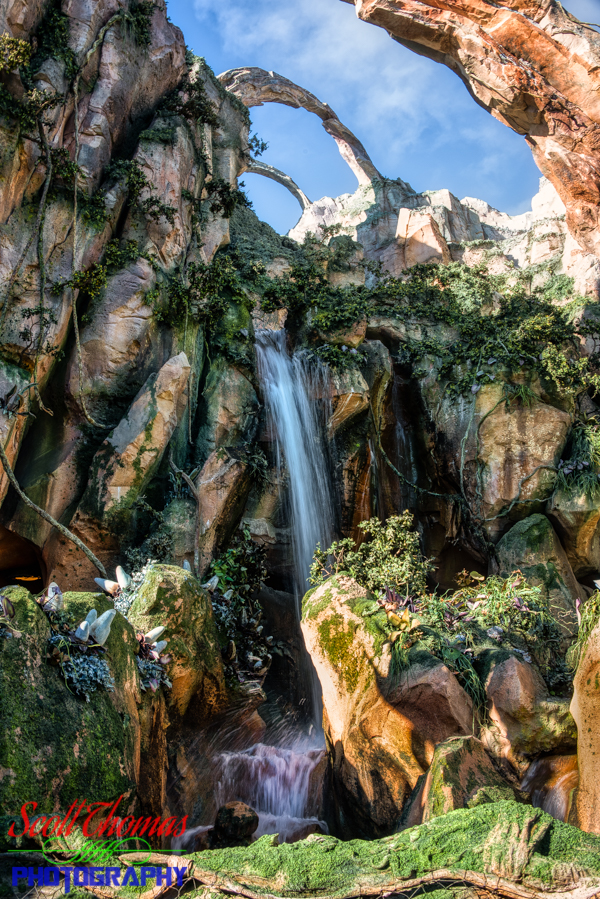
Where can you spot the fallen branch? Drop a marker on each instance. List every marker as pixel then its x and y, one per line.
pixel 47 517
pixel 497 886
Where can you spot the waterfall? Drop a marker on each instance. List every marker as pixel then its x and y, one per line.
pixel 275 782
pixel 290 386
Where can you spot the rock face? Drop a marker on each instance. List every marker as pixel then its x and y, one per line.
pixel 585 711
pixel 171 597
pixel 461 776
pixel 55 746
pixel 58 747
pixel 525 721
pixel 378 738
pixel 534 67
pixel 173 128
pixel 533 547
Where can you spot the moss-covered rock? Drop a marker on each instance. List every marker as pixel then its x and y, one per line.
pixel 524 720
pixel 380 729
pixel 466 845
pixel 533 547
pixel 461 775
pixel 173 598
pixel 54 746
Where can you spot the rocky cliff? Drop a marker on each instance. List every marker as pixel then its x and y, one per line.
pixel 457 357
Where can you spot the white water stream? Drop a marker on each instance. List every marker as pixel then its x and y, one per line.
pixel 290 387
pixel 276 780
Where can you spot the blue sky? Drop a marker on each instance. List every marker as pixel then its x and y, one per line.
pixel 414 116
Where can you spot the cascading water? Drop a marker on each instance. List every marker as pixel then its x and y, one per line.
pixel 290 386
pixel 276 780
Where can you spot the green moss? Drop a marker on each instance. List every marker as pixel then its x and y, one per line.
pixel 55 747
pixel 336 639
pixel 456 841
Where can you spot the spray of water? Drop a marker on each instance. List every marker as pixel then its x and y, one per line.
pixel 276 782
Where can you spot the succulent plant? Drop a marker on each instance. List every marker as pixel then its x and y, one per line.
pixel 52 600
pixel 100 629
pixel 91 616
pixel 153 635
pixel 211 585
pixel 83 631
pixel 123 579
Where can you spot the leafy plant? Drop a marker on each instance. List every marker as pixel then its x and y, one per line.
pixel 589 614
pixel 389 557
pixel 580 473
pixel 14 53
pixel 83 669
pixel 224 198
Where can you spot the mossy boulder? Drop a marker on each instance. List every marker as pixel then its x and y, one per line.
pixel 172 597
pixel 504 839
pixel 533 547
pixel 524 720
pixel 380 730
pixel 54 746
pixel 461 775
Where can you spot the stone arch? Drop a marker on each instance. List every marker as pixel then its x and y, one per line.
pixel 255 87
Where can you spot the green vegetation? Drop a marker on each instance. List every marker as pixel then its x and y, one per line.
pixel 461 841
pixel 390 556
pixel 460 628
pixel 590 617
pixel 579 473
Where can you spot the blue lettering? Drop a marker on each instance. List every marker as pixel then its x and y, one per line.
pixel 149 873
pixel 131 878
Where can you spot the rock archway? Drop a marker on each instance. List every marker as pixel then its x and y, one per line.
pixel 534 67
pixel 255 87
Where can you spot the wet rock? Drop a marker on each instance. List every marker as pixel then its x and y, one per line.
pixel 533 547
pixel 234 825
pixel 349 397
pixel 551 781
pixel 172 598
pixel 461 776
pixel 585 709
pixel 525 720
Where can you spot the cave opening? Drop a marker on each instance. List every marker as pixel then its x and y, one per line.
pixel 20 562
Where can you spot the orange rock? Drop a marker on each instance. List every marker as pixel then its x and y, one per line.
pixel 534 67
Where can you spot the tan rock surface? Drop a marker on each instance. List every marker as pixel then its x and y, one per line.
pixel 585 708
pixel 370 742
pixel 577 518
pixel 223 486
pixel 525 721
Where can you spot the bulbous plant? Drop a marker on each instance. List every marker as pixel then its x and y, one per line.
pixel 151 662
